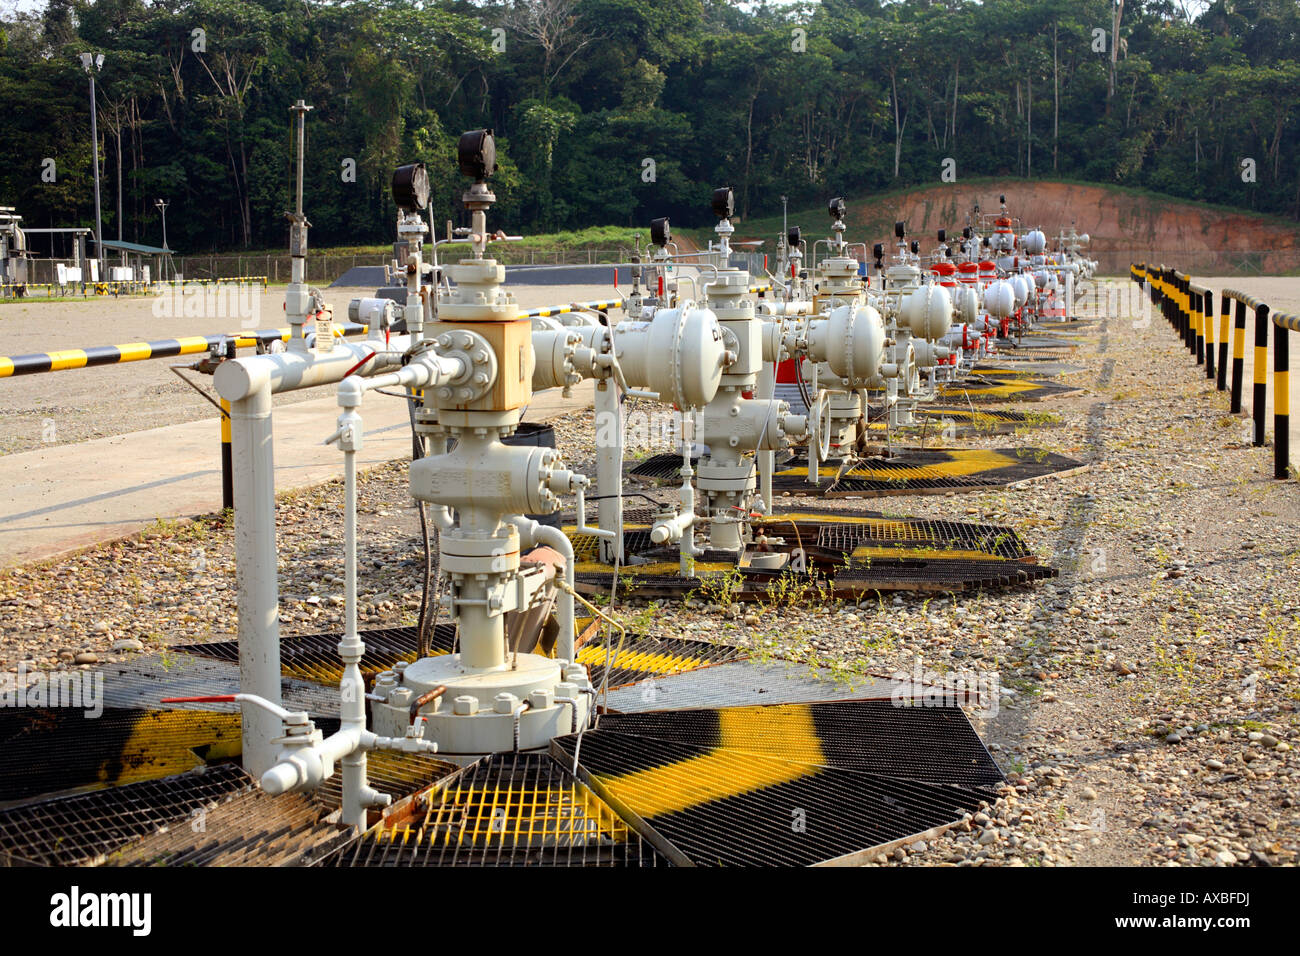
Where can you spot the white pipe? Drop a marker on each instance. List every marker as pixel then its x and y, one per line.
pixel 235 379
pixel 609 477
pixel 765 388
pixel 248 384
pixel 256 574
pixel 583 527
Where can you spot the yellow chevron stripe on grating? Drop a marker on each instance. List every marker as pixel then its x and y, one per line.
pixel 786 735
pixel 962 463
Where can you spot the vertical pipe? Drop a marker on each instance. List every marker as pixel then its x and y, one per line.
pixel 1260 396
pixel 1238 356
pixel 352 707
pixel 256 574
pixel 766 460
pixel 609 478
pixel 1281 402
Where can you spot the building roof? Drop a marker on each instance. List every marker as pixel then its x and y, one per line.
pixel 135 247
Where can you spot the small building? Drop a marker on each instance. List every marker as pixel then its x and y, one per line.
pixel 137 258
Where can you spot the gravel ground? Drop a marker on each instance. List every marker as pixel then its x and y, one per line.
pixel 1147 707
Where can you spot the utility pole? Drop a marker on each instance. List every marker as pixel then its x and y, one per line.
pixel 92 63
pixel 162 207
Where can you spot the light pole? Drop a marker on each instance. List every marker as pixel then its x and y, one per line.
pixel 162 205
pixel 91 63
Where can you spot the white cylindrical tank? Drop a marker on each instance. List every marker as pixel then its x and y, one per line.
pixel 1020 284
pixel 1035 242
pixel 679 354
pixel 855 344
pixel 1000 299
pixel 927 311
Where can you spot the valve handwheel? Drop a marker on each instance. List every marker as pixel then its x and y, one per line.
pixel 821 424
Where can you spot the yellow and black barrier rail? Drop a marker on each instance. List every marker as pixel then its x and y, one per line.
pixel 13 365
pixel 1189 309
pixel 603 305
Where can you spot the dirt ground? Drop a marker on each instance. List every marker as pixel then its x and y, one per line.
pixel 77 404
pixel 1148 700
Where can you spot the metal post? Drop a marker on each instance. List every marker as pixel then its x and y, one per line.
pixel 1281 402
pixel 1238 356
pixel 94 143
pixel 1207 321
pixel 1222 381
pixel 227 459
pixel 1261 371
pixel 1198 325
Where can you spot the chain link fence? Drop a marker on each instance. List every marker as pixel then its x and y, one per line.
pixel 323 268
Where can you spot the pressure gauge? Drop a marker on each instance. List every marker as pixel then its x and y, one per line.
pixel 411 187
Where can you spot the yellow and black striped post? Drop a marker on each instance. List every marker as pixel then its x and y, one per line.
pixel 1224 323
pixel 1180 315
pixel 1238 357
pixel 1207 323
pixel 227 456
pixel 1165 302
pixel 1261 371
pixel 1283 324
pixel 1197 298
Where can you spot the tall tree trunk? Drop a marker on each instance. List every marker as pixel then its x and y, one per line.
pixel 1114 51
pixel 1056 97
pixel 749 155
pixel 898 130
pixel 956 82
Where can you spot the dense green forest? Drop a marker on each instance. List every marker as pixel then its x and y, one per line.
pixel 612 111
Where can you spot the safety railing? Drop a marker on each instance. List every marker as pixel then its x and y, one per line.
pixel 1189 309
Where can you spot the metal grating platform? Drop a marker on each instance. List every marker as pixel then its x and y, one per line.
pixel 640 657
pixel 315 657
pixel 788 785
pixel 911 471
pixel 504 810
pixel 1011 389
pixel 847 554
pixel 50 750
pixel 87 827
pixel 924 470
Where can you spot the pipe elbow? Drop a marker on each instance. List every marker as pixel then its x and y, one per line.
pixel 351 390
